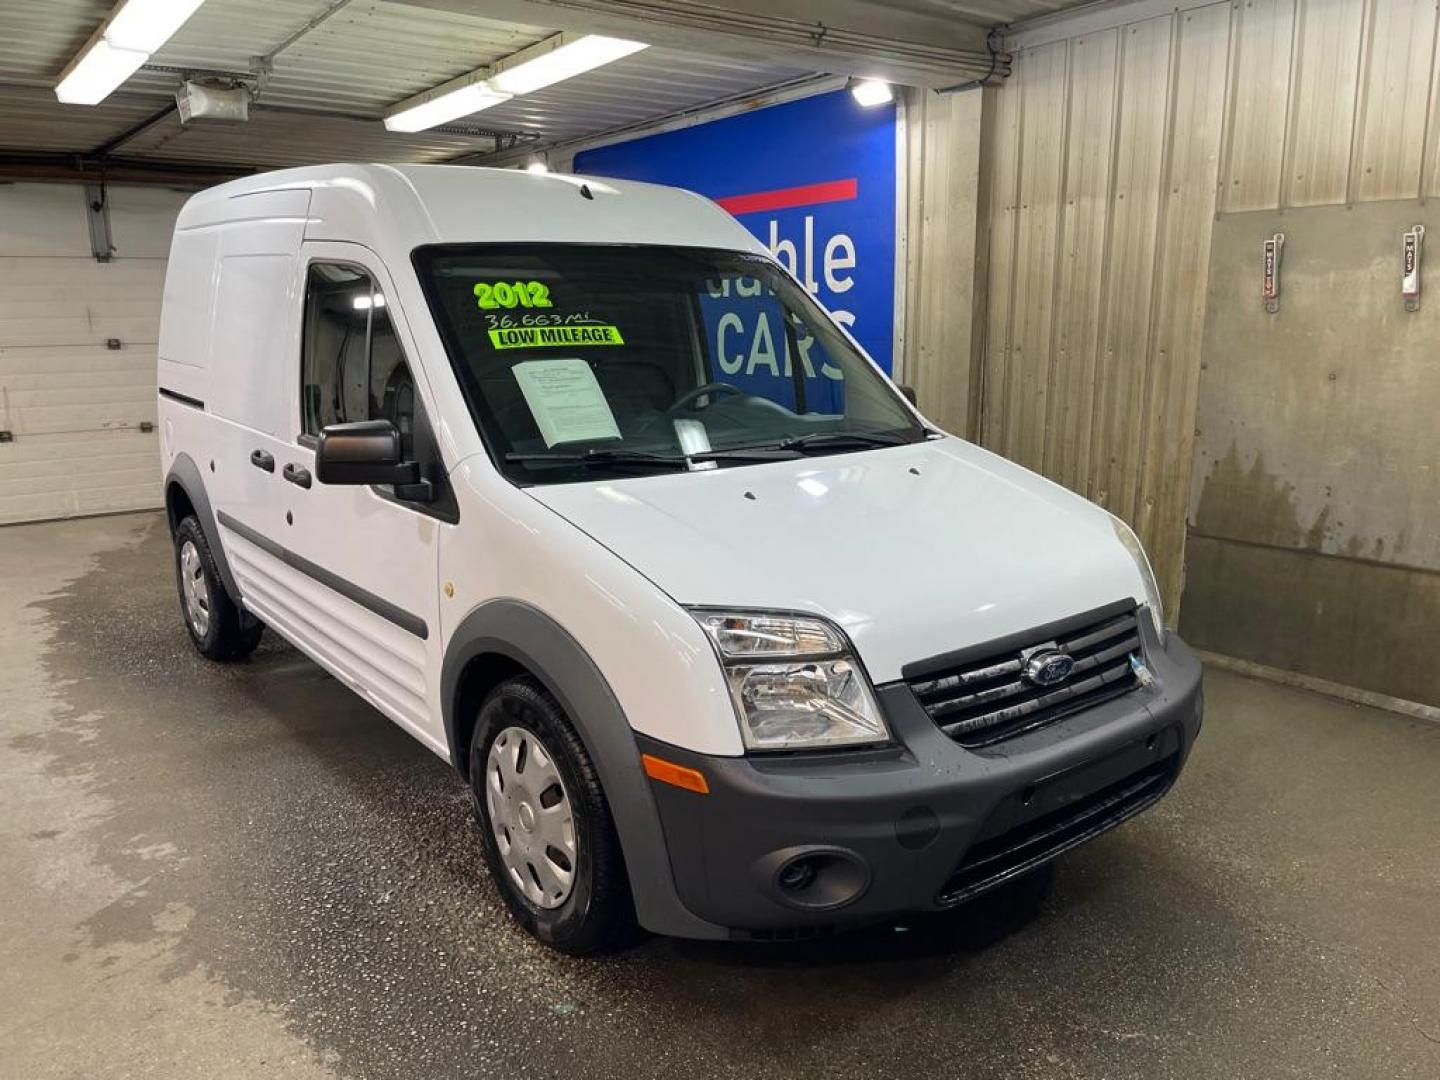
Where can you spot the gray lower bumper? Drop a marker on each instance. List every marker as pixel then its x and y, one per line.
pixel 802 842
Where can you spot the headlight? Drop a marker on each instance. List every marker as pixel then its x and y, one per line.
pixel 1152 591
pixel 795 682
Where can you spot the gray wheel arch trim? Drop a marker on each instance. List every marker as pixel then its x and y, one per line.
pixel 530 638
pixel 185 473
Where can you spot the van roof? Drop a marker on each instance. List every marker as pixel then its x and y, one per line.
pixel 395 208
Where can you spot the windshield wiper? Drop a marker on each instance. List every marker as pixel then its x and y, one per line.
pixel 785 449
pixel 767 452
pixel 600 456
pixel 822 441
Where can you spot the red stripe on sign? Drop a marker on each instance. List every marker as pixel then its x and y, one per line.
pixel 785 198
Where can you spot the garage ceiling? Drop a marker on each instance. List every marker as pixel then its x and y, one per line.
pixel 336 66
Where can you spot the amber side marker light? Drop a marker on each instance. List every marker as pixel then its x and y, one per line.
pixel 667 772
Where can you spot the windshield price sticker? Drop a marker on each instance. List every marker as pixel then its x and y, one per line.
pixel 540 337
pixel 566 400
pixel 491 296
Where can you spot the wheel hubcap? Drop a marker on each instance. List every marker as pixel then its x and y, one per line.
pixel 193 589
pixel 531 816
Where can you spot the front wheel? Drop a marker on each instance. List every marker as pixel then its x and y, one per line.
pixel 545 824
pixel 219 628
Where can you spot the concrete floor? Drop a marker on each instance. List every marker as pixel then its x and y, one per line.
pixel 244 871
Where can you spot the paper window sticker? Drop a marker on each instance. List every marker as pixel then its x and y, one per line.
pixel 566 400
pixel 692 436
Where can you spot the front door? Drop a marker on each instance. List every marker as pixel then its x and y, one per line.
pixel 364 562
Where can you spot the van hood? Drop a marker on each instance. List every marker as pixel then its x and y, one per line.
pixel 914 550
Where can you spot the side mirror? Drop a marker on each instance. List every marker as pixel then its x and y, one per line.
pixel 365 452
pixel 908 393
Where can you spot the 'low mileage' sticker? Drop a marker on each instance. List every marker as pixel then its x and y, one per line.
pixel 539 337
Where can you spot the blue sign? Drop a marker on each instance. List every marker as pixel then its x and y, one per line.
pixel 814 180
pixel 756 345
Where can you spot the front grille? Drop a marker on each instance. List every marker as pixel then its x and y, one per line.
pixel 993 861
pixel 986 699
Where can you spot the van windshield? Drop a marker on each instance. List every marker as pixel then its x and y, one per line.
pixel 582 361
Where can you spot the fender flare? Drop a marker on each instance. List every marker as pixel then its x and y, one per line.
pixel 185 474
pixel 530 638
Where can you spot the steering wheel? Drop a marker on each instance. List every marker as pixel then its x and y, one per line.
pixel 687 399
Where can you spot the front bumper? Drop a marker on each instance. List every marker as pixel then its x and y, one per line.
pixel 798 843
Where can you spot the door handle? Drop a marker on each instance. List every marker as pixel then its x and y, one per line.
pixel 261 460
pixel 296 474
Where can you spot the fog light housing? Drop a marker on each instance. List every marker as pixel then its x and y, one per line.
pixel 813 878
pixel 797 875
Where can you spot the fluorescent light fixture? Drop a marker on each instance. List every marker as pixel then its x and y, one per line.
pixel 365 303
pixel 525 74
pixel 134 30
pixel 145 25
pixel 871 92
pixel 558 58
pixel 539 168
pixel 93 77
pixel 445 107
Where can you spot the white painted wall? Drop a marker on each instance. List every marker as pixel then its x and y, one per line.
pixel 73 406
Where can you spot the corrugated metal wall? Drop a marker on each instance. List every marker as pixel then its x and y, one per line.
pixel 942 197
pixel 1111 150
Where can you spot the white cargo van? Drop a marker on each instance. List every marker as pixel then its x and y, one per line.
pixel 571 480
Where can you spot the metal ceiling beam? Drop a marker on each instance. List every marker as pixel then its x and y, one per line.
pixel 845 37
pixel 81 168
pixel 263 61
pixel 114 143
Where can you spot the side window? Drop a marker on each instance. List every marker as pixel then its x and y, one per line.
pixel 338 302
pixel 351 366
pixel 392 387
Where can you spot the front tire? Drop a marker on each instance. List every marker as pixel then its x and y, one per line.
pixel 218 627
pixel 545 824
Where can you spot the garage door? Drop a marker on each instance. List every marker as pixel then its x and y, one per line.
pixel 77 351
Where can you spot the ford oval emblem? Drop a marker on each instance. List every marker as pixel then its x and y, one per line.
pixel 1048 668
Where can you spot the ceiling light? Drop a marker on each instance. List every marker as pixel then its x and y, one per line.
pixel 553 60
pixel 145 25
pixel 135 29
pixel 539 168
pixel 871 92
pixel 566 59
pixel 445 107
pixel 94 75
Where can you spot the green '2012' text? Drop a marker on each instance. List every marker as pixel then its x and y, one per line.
pixel 490 296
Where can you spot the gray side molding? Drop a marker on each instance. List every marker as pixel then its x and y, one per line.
pixel 186 474
pixel 529 637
